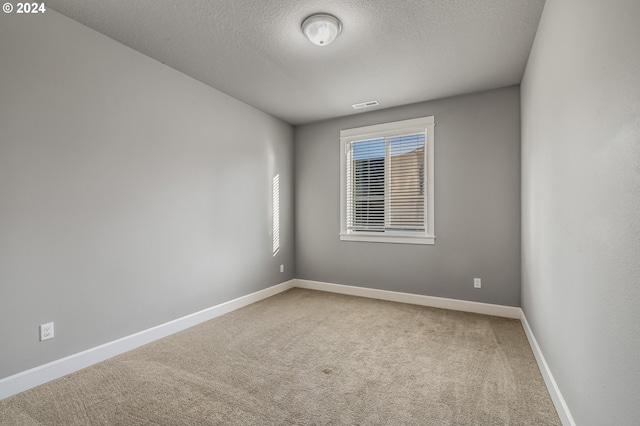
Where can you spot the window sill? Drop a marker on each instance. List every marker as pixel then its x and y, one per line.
pixel 391 239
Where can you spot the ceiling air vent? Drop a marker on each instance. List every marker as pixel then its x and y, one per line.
pixel 365 104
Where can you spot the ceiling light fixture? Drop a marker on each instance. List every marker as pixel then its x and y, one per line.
pixel 321 29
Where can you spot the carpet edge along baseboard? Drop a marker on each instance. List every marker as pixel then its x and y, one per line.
pixel 36 376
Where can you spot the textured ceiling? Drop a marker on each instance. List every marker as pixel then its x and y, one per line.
pixel 393 51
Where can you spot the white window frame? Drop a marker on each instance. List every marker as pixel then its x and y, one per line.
pixel 397 128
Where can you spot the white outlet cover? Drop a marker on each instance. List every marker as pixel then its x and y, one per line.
pixel 46 331
pixel 477 283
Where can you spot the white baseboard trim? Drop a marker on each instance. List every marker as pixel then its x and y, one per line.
pixel 556 396
pixel 44 373
pixel 413 299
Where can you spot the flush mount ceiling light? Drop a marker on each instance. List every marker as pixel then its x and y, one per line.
pixel 321 29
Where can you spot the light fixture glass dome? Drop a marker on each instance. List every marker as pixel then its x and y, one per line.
pixel 321 29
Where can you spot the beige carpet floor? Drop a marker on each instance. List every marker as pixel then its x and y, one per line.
pixel 309 358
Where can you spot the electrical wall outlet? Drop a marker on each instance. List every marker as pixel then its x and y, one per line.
pixel 46 331
pixel 281 268
pixel 477 283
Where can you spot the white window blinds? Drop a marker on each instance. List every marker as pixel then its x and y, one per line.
pixel 386 184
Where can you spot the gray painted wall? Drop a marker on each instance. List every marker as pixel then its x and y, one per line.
pixel 130 194
pixel 581 204
pixel 477 178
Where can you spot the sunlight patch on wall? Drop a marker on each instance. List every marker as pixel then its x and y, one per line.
pixel 276 214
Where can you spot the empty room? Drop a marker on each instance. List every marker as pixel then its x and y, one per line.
pixel 300 212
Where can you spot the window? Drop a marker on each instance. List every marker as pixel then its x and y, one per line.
pixel 387 182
